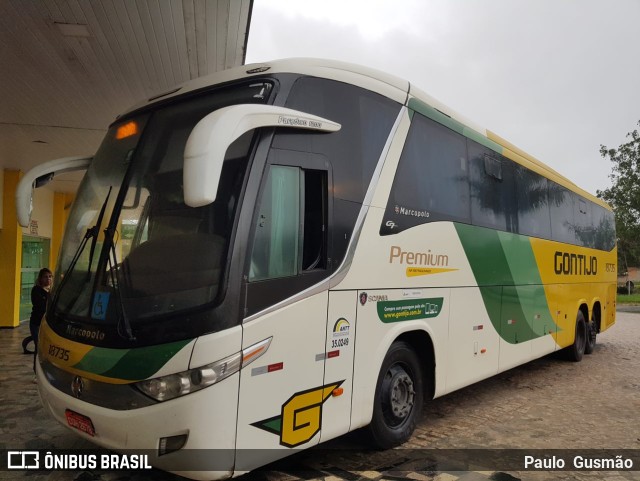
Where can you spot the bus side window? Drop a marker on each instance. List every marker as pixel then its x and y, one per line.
pixel 585 234
pixel 533 203
pixel 493 195
pixel 291 224
pixel 562 218
pixel 314 244
pixel 432 177
pixel 604 225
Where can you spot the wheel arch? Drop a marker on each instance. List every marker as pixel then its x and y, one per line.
pixel 397 406
pixel 421 340
pixel 581 306
pixel 578 347
pixel 585 310
pixel 422 344
pixel 596 313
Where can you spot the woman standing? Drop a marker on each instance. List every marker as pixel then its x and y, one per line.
pixel 39 300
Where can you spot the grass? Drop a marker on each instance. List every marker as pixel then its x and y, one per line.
pixel 628 299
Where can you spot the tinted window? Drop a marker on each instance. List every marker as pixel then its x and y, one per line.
pixel 431 182
pixel 533 205
pixel 582 222
pixel 366 119
pixel 352 152
pixel 604 234
pixel 561 208
pixel 493 202
pixel 435 181
pixel 276 245
pixel 290 246
pixel 290 224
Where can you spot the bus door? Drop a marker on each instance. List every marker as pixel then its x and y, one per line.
pixel 281 393
pixel 338 371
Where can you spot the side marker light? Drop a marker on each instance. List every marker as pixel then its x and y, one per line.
pixel 126 130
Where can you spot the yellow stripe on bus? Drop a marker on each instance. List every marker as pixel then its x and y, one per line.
pixel 425 271
pixel 64 354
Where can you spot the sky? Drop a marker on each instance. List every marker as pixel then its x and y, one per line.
pixel 557 78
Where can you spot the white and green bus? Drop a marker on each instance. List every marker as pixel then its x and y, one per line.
pixel 275 255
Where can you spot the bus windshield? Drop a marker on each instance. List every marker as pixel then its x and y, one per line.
pixel 132 250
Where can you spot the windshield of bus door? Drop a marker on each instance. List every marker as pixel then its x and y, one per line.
pixel 132 250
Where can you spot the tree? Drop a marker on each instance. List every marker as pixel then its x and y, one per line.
pixel 624 197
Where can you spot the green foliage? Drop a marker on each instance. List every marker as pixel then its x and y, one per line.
pixel 624 197
pixel 626 299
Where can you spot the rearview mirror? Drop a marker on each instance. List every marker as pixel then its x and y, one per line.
pixel 211 137
pixel 39 176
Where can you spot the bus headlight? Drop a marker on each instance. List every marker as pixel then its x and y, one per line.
pixel 185 382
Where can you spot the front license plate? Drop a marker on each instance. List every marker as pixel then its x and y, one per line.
pixel 80 422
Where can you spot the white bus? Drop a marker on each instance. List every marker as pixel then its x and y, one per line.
pixel 275 255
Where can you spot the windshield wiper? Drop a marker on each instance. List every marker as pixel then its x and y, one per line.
pixel 96 228
pixel 92 233
pixel 124 326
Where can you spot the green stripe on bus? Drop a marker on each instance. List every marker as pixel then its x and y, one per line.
pixel 520 259
pixel 482 140
pixel 507 275
pixel 434 114
pixel 129 364
pixel 100 359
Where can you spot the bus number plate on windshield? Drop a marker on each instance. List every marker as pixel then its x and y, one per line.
pixel 80 422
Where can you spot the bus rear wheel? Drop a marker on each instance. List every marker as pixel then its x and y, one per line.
pixel 398 398
pixel 591 336
pixel 576 350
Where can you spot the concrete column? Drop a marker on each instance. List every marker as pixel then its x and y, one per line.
pixel 10 253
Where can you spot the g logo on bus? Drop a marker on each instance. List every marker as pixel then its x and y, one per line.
pixel 77 385
pixel 301 416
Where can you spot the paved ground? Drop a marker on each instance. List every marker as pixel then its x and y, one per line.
pixel 546 404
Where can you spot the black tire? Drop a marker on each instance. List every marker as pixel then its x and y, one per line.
pixel 25 344
pixel 592 331
pixel 399 397
pixel 576 350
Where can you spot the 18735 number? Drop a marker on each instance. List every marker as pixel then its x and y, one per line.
pixel 58 352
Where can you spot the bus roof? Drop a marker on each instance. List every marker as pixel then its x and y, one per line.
pixel 385 84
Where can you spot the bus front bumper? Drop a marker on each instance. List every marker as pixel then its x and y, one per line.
pixel 206 419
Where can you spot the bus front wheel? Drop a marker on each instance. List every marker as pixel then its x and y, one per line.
pixel 399 397
pixel 576 350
